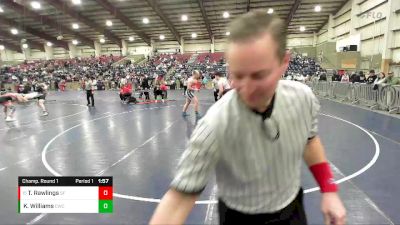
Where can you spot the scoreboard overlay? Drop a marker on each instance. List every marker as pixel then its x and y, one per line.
pixel 65 194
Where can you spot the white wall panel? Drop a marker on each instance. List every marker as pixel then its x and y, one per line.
pixel 345 8
pixel 220 45
pixel 342 29
pixel 369 4
pixel 396 55
pixel 396 39
pixel 36 55
pixel 294 42
pixel 322 38
pixel 371 46
pixel 342 18
pixel 371 16
pixel 372 30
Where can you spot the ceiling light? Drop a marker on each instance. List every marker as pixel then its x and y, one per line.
pixel 146 20
pixel 302 28
pixel 2 47
pixel 25 46
pixel 194 35
pixel 49 44
pixel 184 17
pixel 1 11
pixel 228 33
pixel 75 26
pixel 102 40
pixel 131 38
pixel 225 15
pixel 75 42
pixel 162 37
pixel 76 2
pixel 35 5
pixel 270 11
pixel 109 23
pixel 14 31
pixel 317 8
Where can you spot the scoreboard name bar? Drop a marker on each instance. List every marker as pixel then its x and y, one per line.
pixel 65 181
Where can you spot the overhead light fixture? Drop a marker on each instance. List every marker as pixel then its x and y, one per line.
pixel 162 37
pixel 14 31
pixel 76 2
pixel 109 23
pixel 2 47
pixel 146 20
pixel 228 33
pixel 75 26
pixel 270 11
pixel 25 46
pixel 317 8
pixel 1 11
pixel 35 5
pixel 131 38
pixel 49 44
pixel 102 40
pixel 194 35
pixel 75 42
pixel 225 15
pixel 302 28
pixel 184 17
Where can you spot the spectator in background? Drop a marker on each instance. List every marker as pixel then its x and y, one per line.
pixel 336 76
pixel 371 77
pixel 185 83
pixel 215 87
pixel 144 86
pixel 345 78
pixel 362 77
pixel 164 90
pixel 392 80
pixel 62 85
pixel 355 78
pixel 380 80
pixel 223 85
pixel 322 77
pixel 157 88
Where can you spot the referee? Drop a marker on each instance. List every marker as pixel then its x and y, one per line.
pixel 254 140
pixel 89 87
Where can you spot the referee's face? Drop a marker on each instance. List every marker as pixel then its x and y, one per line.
pixel 255 70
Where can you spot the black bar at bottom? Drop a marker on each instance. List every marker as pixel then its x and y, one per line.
pixel 65 181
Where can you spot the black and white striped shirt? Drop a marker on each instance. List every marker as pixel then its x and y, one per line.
pixel 257 162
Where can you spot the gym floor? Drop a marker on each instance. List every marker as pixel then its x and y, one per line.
pixel 140 145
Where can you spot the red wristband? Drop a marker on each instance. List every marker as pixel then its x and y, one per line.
pixel 324 177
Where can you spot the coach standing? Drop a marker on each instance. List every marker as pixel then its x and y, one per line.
pixel 254 140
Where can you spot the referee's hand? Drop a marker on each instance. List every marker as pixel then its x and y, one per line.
pixel 333 209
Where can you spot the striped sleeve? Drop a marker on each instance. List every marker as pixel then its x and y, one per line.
pixel 315 106
pixel 197 161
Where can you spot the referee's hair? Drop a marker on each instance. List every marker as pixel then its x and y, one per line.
pixel 256 23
